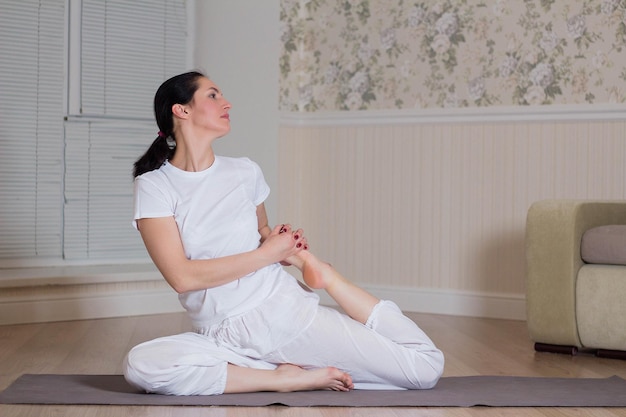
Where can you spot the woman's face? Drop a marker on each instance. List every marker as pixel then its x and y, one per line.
pixel 208 109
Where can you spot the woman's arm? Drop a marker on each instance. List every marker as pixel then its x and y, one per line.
pixel 264 228
pixel 163 242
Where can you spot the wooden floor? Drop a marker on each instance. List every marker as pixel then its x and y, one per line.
pixel 472 346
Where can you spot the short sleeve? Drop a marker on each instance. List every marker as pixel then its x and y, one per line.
pixel 150 201
pixel 261 189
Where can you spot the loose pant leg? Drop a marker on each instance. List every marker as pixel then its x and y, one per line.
pixel 183 364
pixel 389 352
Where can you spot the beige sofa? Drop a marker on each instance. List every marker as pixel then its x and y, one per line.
pixel 575 298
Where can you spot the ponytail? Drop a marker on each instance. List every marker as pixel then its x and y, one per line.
pixel 176 90
pixel 155 156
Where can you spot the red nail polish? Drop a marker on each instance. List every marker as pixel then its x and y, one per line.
pixel 296 237
pixel 299 245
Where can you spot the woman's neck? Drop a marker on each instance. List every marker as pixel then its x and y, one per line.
pixel 198 159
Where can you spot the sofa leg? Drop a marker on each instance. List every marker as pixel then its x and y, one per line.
pixel 611 354
pixel 544 347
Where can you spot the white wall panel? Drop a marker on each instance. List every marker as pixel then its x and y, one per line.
pixel 439 205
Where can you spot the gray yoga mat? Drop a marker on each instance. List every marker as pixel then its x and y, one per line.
pixel 466 391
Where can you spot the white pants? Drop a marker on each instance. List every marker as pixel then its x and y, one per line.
pixel 389 352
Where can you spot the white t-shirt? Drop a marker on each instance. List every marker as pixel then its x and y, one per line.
pixel 215 211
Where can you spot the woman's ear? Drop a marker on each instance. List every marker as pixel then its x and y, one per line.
pixel 180 111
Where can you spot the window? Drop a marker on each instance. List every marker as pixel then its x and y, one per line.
pixel 77 80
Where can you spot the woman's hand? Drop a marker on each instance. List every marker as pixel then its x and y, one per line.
pixel 283 242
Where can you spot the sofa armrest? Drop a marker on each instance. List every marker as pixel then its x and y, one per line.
pixel 554 230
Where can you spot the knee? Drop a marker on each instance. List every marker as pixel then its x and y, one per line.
pixel 174 366
pixel 139 371
pixel 428 373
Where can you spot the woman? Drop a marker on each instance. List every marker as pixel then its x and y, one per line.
pixel 256 328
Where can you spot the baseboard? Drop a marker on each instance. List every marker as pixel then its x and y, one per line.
pixel 157 301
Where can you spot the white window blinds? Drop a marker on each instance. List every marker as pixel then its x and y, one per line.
pixel 98 188
pixel 31 128
pixel 128 47
pixel 67 153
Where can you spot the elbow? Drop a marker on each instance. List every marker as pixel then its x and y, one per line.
pixel 179 282
pixel 183 281
pixel 179 272
pixel 180 289
pixel 179 285
pixel 188 276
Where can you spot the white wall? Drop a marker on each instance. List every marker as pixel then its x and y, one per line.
pixel 237 46
pixel 433 215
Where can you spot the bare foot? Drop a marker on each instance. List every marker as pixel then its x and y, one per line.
pixel 298 379
pixel 316 274
pixel 285 378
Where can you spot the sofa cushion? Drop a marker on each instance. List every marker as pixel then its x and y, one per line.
pixel 604 245
pixel 600 307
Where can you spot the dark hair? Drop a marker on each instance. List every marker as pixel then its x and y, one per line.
pixel 177 90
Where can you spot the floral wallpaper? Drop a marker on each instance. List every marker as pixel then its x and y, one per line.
pixel 398 54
